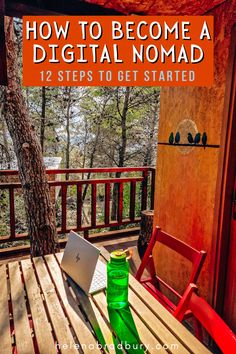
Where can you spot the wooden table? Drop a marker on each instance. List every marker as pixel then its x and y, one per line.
pixel 41 311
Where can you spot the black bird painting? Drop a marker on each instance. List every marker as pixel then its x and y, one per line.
pixel 177 138
pixel 190 138
pixel 171 138
pixel 197 138
pixel 204 139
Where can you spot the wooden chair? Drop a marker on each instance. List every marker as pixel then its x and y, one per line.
pixel 208 318
pixel 153 282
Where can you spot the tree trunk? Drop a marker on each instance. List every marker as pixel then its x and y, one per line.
pixel 147 161
pixel 94 149
pixel 5 145
pixel 39 209
pixel 68 96
pixel 122 151
pixel 43 116
pixel 146 228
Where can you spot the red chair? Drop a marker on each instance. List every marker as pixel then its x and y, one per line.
pixel 153 282
pixel 209 319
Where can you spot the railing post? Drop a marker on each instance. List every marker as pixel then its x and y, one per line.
pixel 93 205
pixel 78 184
pixel 63 207
pixel 86 234
pixel 79 206
pixel 107 203
pixel 12 213
pixel 144 190
pixel 132 200
pixel 120 203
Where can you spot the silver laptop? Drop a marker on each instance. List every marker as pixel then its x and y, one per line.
pixel 80 261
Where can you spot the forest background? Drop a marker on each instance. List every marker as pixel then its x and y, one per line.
pixel 85 126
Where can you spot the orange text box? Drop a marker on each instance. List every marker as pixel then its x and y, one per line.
pixel 118 51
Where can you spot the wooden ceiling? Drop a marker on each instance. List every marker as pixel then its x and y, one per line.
pixel 159 7
pixel 18 8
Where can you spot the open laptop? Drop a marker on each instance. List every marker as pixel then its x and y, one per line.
pixel 80 261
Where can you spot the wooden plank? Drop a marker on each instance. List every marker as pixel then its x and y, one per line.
pixel 103 238
pixel 24 342
pixel 172 325
pixel 107 334
pixel 59 321
pixel 157 328
pixel 82 332
pixel 42 328
pixel 122 238
pixel 82 170
pixel 86 181
pixel 170 322
pixel 107 203
pixel 5 342
pixel 145 336
pixel 132 200
pixel 100 301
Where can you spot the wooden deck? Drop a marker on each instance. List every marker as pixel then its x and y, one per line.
pixel 110 245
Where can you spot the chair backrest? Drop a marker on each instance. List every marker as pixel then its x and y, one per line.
pixel 194 256
pixel 211 321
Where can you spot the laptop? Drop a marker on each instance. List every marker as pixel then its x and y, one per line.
pixel 80 261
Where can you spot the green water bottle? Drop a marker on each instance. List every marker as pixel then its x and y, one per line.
pixel 117 280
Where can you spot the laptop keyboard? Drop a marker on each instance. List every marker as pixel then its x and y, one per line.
pixel 98 282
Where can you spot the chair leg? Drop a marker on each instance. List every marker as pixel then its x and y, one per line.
pixel 151 267
pixel 147 256
pixel 183 304
pixel 198 330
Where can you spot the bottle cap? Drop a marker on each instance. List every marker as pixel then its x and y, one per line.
pixel 118 256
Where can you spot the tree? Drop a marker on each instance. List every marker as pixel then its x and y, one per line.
pixel 132 104
pixel 99 99
pixel 119 129
pixel 122 147
pixel 149 145
pixel 39 209
pixel 43 118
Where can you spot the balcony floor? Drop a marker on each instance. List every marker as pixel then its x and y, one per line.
pixel 110 245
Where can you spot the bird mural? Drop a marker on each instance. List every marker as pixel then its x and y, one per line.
pixel 171 138
pixel 197 138
pixel 204 139
pixel 190 138
pixel 177 138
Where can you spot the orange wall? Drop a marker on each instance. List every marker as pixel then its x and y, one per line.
pixel 186 177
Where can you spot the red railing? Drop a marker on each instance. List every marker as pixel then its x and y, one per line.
pixel 140 182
